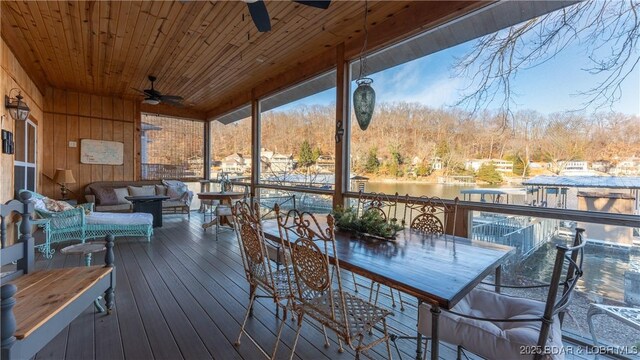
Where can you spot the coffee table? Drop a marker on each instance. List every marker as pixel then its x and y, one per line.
pixel 151 204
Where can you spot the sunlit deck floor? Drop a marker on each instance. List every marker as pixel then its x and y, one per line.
pixel 183 295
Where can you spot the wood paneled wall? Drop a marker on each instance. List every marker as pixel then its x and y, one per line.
pixel 72 116
pixel 13 75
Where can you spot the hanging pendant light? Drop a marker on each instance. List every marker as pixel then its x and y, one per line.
pixel 364 102
pixel 364 98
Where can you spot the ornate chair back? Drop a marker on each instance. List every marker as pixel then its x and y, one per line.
pixel 311 244
pixel 383 204
pixel 430 215
pixel 255 259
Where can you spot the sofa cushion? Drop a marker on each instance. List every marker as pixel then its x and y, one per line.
pixel 175 189
pixel 105 195
pixel 121 193
pixel 173 203
pixel 161 190
pixel 142 190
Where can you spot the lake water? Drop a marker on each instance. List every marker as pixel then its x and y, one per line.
pixel 418 189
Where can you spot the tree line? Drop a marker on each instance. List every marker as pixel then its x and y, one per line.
pixel 401 133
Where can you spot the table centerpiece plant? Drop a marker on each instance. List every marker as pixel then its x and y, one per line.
pixel 370 225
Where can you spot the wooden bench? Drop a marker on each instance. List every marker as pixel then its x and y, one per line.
pixel 36 305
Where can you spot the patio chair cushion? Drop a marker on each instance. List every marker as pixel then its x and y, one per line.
pixel 493 340
pixel 223 210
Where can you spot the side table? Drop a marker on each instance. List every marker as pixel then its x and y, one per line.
pixel 86 249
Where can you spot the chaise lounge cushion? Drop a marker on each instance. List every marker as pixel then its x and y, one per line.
pixel 106 218
pixel 116 208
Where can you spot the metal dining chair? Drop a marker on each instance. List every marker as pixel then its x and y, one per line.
pixel 259 269
pixel 493 325
pixel 430 215
pixel 319 297
pixel 387 207
pixel 224 209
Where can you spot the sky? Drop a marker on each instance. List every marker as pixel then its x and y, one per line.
pixel 553 86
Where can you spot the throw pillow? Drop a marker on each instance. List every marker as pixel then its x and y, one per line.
pixel 175 189
pixel 175 193
pixel 120 194
pixel 142 190
pixel 57 206
pixel 161 190
pixel 105 196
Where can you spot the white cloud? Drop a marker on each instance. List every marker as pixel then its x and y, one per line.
pixel 436 93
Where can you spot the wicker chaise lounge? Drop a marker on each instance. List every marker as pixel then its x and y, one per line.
pixel 76 225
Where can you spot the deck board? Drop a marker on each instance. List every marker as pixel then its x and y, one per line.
pixel 184 295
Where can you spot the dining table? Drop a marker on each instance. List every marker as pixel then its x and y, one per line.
pixel 225 198
pixel 437 269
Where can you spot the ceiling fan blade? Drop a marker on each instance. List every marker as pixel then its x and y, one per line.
pixel 140 91
pixel 171 98
pixel 320 4
pixel 172 102
pixel 260 15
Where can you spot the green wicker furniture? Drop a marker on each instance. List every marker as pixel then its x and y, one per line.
pixel 75 225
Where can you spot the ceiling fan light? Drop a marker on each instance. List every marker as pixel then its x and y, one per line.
pixel 151 101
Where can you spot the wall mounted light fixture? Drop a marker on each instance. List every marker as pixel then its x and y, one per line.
pixel 18 109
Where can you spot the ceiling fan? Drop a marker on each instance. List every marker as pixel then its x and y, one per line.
pixel 155 97
pixel 260 15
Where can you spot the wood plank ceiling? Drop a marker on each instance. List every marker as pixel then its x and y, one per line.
pixel 201 50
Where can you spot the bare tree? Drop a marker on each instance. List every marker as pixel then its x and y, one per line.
pixel 609 30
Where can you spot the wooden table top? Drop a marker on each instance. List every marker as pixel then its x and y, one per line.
pixel 220 195
pixel 440 269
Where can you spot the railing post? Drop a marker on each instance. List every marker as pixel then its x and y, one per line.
pixel 108 261
pixel 26 263
pixel 342 127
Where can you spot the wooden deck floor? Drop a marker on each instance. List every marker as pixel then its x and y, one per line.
pixel 183 296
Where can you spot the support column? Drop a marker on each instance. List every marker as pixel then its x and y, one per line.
pixel 255 144
pixel 342 127
pixel 207 150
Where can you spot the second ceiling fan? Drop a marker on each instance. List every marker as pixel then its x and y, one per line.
pixel 260 15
